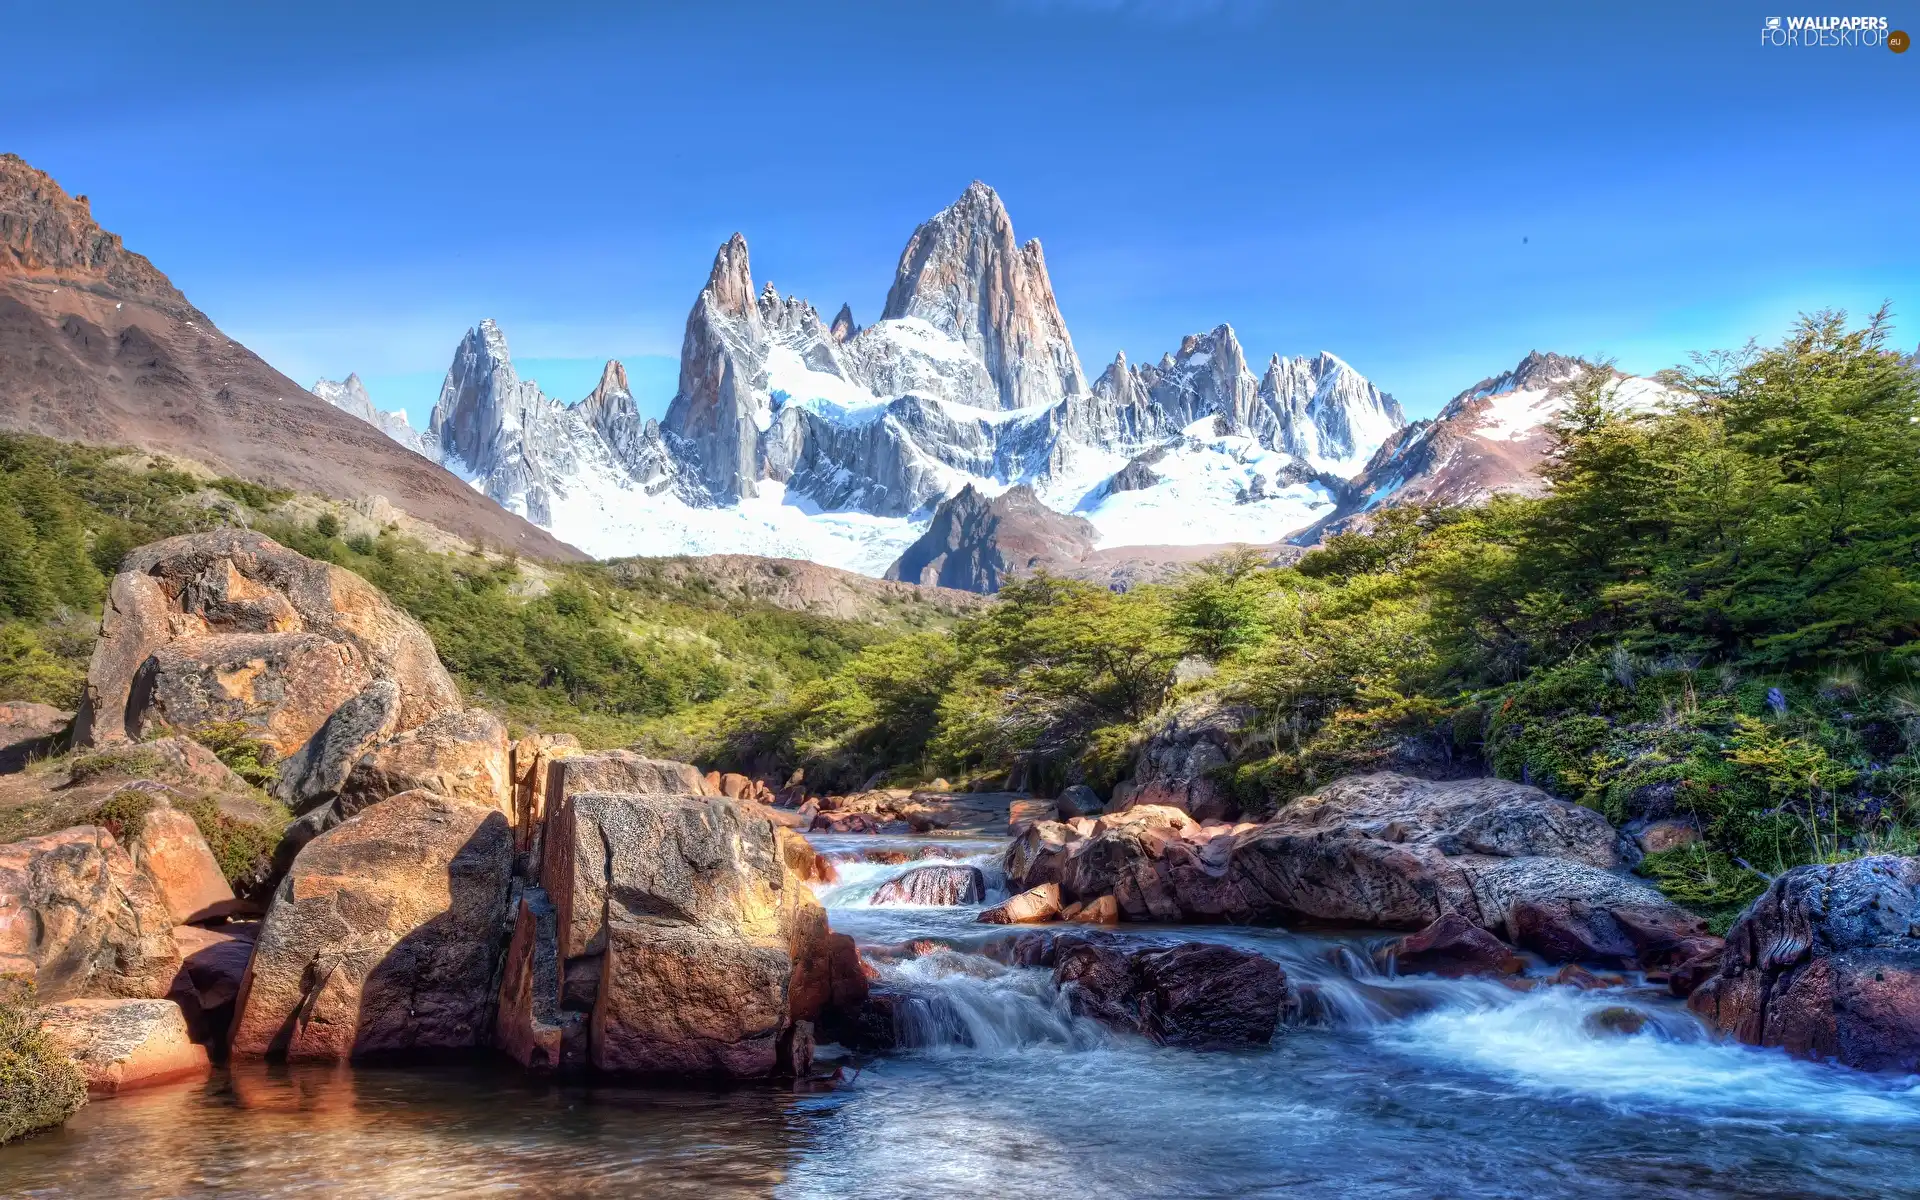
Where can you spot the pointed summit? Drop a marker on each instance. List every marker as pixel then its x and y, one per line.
pixel 963 273
pixel 730 283
pixel 843 329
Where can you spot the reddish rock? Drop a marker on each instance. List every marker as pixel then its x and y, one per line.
pixel 169 848
pixel 1025 812
pixel 236 583
pixel 938 885
pixel 79 918
pixel 383 936
pixel 1453 947
pixel 803 860
pixel 282 686
pixel 528 767
pixel 460 754
pixel 1826 964
pixel 1031 907
pixel 121 1045
pixel 710 784
pixel 735 787
pixel 530 1025
pixel 1102 910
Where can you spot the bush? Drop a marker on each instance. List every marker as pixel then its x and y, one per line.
pixel 39 1086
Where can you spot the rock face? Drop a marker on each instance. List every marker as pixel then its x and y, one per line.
pixel 170 851
pixel 213 965
pixel 27 731
pixel 1490 439
pixel 103 349
pixel 937 885
pixel 121 1045
pixel 80 920
pixel 1826 964
pixel 963 273
pixel 977 544
pixel 216 625
pixel 460 754
pixel 1176 767
pixel 1195 995
pixel 383 938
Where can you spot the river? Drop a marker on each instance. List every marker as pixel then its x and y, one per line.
pixel 1410 1087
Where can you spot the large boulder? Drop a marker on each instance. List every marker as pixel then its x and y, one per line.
pixel 120 1045
pixel 169 849
pixel 237 583
pixel 1157 863
pixel 1398 852
pixel 690 903
pixel 1038 854
pixel 460 754
pixel 935 885
pixel 1826 964
pixel 80 920
pixel 281 686
pixel 1177 766
pixel 383 937
pixel 1196 994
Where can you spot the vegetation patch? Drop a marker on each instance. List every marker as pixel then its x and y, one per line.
pixel 39 1086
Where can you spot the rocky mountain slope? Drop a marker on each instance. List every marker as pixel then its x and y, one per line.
pixel 977 543
pixel 829 441
pixel 97 346
pixel 1489 439
pixel 349 395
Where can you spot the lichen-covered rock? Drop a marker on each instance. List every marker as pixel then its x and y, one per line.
pixel 120 1045
pixel 383 937
pixel 235 583
pixel 169 849
pixel 685 900
pixel 460 754
pixel 1826 964
pixel 938 885
pixel 282 686
pixel 80 920
pixel 314 774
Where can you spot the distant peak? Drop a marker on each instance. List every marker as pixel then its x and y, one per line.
pixel 613 378
pixel 730 283
pixel 843 328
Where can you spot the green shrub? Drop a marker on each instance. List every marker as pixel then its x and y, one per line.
pixel 39 1086
pixel 1704 880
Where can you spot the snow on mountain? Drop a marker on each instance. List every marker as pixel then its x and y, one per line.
pixel 838 443
pixel 350 396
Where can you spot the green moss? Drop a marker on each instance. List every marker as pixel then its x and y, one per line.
pixel 1705 881
pixel 130 761
pixel 234 744
pixel 39 1086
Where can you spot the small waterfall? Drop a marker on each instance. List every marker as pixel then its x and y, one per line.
pixel 954 999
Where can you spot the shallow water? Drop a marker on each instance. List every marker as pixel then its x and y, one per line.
pixel 1404 1087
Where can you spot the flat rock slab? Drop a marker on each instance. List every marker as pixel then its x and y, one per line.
pixel 121 1045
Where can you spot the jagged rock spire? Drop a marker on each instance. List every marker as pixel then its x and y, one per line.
pixel 963 273
pixel 843 328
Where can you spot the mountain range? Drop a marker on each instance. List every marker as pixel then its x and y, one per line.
pixel 957 439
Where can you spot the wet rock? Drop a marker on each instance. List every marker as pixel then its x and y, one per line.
pixel 28 731
pixel 460 754
pixel 1176 767
pixel 78 919
pixel 1615 1020
pixel 236 583
pixel 1452 947
pixel 1156 863
pixel 169 849
pixel 1197 995
pixel 1026 812
pixel 1574 975
pixel 1826 964
pixel 213 964
pixel 1571 912
pixel 121 1045
pixel 942 885
pixel 1690 972
pixel 383 938
pixel 1030 907
pixel 1102 910
pixel 808 864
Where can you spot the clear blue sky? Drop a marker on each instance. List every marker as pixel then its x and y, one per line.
pixel 350 186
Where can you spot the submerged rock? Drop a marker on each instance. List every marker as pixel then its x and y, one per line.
pixel 942 884
pixel 1826 964
pixel 1452 947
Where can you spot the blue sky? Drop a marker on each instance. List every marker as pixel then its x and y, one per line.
pixel 1427 190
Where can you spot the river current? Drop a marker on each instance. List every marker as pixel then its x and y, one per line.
pixel 1410 1087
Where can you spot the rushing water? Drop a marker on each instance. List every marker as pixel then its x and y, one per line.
pixel 1400 1087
